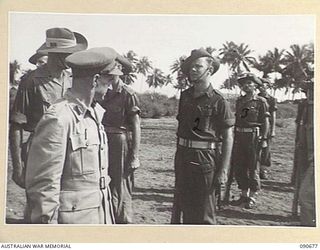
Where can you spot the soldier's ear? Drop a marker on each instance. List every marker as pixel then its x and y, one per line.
pixel 95 79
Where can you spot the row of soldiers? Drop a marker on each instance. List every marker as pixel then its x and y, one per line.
pixel 85 135
pixel 78 162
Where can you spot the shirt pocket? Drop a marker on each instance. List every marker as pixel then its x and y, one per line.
pixel 203 121
pixel 83 158
pixel 76 205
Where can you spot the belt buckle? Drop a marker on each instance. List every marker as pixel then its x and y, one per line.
pixel 102 182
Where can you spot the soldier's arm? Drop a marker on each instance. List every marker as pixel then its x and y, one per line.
pixel 17 119
pixel 226 123
pixel 227 143
pixel 136 138
pixel 15 136
pixel 46 160
pixel 273 123
pixel 133 113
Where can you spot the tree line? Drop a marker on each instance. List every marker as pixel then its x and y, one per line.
pixel 287 69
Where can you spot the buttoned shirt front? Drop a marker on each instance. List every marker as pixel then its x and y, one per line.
pixel 203 117
pixel 36 92
pixel 68 162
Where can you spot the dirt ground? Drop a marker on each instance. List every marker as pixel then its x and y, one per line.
pixel 154 181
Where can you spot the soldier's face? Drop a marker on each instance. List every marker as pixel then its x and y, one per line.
pixel 199 69
pixel 263 88
pixel 248 86
pixel 42 61
pixel 102 84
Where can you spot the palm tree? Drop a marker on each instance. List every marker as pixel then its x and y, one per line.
pixel 298 62
pixel 272 61
pixel 235 56
pixel 132 76
pixel 168 79
pixel 143 66
pixel 181 79
pixel 156 79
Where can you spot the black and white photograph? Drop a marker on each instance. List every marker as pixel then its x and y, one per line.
pixel 161 119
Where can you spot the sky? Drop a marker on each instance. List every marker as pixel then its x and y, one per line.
pixel 162 38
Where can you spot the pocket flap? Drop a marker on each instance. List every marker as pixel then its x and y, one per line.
pixel 79 200
pixel 77 141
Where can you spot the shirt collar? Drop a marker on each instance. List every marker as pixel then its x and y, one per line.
pixel 79 108
pixel 119 86
pixel 209 92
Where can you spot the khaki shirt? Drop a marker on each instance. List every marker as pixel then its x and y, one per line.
pixel 68 161
pixel 251 113
pixel 204 117
pixel 36 92
pixel 120 104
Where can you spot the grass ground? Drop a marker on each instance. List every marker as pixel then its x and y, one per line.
pixel 154 181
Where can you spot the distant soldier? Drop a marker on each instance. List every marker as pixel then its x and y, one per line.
pixel 251 134
pixel 67 178
pixel 38 90
pixel 265 160
pixel 203 116
pixel 304 160
pixel 122 124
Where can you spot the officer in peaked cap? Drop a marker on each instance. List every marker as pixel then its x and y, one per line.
pixel 251 131
pixel 204 118
pixel 272 103
pixel 69 181
pixel 122 124
pixel 37 91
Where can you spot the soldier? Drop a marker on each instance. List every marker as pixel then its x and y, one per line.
pixel 304 159
pixel 251 124
pixel 38 90
pixel 203 115
pixel 122 124
pixel 68 180
pixel 272 102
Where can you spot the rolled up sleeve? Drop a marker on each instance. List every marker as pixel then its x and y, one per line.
pixel 45 166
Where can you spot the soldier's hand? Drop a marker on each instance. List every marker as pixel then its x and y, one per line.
pixel 222 177
pixel 135 163
pixel 264 144
pixel 19 177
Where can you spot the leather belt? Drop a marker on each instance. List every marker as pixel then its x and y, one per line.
pixel 247 130
pixel 196 144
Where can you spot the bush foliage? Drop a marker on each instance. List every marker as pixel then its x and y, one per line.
pixel 154 105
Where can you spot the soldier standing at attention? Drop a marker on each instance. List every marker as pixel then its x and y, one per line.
pixel 67 181
pixel 251 134
pixel 203 115
pixel 122 124
pixel 272 102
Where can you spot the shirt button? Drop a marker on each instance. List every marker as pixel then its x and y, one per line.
pixel 87 144
pixel 74 207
